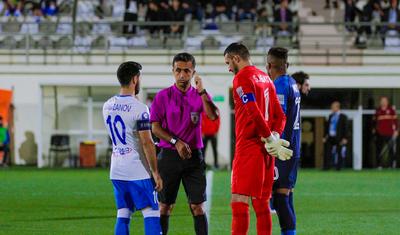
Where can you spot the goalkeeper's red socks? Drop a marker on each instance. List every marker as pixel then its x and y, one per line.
pixel 240 218
pixel 263 214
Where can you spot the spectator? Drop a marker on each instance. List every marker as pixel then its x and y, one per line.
pixel 209 19
pixel 391 16
pixel 49 7
pixel 262 21
pixel 131 15
pixel 370 12
pixel 335 138
pixel 209 129
pixel 221 12
pixel 4 142
pixel 386 131
pixel 246 10
pixel 31 24
pixel 176 13
pixel 193 9
pixel 164 4
pixel 384 4
pixel 284 17
pixel 350 11
pixel 14 7
pixel 104 8
pixel 328 4
pixel 154 14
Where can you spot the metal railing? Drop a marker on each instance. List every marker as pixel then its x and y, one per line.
pixel 107 41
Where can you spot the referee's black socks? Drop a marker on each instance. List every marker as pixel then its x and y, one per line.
pixel 200 224
pixel 164 222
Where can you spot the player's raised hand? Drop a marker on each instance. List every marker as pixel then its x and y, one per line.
pixel 158 181
pixel 199 82
pixel 183 149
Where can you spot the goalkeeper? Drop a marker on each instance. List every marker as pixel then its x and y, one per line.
pixel 257 114
pixel 286 171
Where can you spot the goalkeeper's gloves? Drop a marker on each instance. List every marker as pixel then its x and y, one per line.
pixel 277 147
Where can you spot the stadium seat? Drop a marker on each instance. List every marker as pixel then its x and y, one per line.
pixel 116 27
pixel 83 28
pixel 194 28
pixel 65 42
pixel 210 43
pixel 246 28
pixel 174 43
pixel 250 41
pixel 60 144
pixel 48 27
pixel 283 41
pixel 375 42
pixel 99 43
pixel 228 28
pixel 155 42
pixel 11 26
pixel 9 42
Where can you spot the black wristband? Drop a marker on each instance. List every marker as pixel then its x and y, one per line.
pixel 203 92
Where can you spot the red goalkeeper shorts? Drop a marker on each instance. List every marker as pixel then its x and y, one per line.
pixel 253 175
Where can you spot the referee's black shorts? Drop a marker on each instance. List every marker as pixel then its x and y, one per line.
pixel 191 172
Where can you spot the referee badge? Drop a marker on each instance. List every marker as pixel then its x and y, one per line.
pixel 195 117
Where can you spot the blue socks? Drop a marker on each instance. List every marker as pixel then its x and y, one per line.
pixel 287 218
pixel 122 226
pixel 289 232
pixel 152 226
pixel 292 205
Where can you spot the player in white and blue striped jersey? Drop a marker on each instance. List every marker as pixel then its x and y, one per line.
pixel 133 171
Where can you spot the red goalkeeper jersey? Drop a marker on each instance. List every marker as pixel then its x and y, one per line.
pixel 257 110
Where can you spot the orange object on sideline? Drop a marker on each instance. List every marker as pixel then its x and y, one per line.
pixel 5 102
pixel 87 154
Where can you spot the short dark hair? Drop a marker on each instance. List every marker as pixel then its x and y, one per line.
pixel 300 77
pixel 238 48
pixel 126 71
pixel 184 57
pixel 279 53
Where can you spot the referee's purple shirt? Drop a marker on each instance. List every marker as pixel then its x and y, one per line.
pixel 179 114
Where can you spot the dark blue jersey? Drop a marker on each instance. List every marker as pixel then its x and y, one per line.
pixel 289 98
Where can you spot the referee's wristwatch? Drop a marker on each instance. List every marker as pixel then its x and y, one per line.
pixel 173 141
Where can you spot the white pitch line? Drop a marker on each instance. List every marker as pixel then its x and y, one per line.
pixel 209 178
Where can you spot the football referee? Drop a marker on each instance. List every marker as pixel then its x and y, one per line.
pixel 176 120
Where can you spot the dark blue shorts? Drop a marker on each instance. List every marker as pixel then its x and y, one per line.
pixel 135 195
pixel 285 174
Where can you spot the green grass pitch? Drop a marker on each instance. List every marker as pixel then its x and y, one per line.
pixel 61 201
